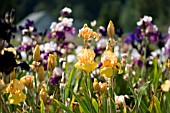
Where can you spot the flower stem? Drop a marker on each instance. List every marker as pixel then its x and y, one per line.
pixel 31 103
pixel 55 91
pixel 4 105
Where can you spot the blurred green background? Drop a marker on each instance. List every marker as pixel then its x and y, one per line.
pixel 124 13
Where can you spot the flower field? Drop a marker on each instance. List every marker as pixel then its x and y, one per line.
pixel 109 72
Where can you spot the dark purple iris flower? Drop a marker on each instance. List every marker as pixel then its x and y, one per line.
pixel 28 24
pixel 98 51
pixel 160 35
pixel 23 48
pixel 60 36
pixel 64 45
pixel 55 79
pixel 102 31
pixel 7 28
pixel 136 36
pixel 119 32
pixel 129 38
pixel 8 62
pixel 138 62
pixel 45 55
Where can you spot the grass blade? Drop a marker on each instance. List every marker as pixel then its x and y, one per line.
pixel 63 106
pixel 82 104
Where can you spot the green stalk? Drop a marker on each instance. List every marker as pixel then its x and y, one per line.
pixel 4 105
pixel 32 101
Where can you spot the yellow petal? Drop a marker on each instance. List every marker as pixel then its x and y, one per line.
pixel 88 67
pixel 106 72
pixel 17 84
pixel 16 98
pixel 78 65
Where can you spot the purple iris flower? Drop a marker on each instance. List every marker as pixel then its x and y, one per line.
pixel 64 45
pixel 102 31
pixel 119 32
pixel 60 36
pixel 28 24
pixel 69 30
pixel 23 48
pixel 138 62
pixel 153 37
pixel 55 79
pixel 49 35
pixel 129 38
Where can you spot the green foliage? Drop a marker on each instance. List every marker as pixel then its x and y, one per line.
pixel 63 106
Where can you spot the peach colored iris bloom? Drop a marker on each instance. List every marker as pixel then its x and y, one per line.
pixel 110 63
pixel 86 33
pixel 86 60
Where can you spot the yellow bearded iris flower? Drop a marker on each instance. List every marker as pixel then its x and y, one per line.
pixel 86 56
pixel 110 63
pixel 15 89
pixel 86 60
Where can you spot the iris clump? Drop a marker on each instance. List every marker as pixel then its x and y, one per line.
pixel 116 72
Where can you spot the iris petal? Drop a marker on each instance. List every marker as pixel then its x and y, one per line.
pixel 16 98
pixel 106 72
